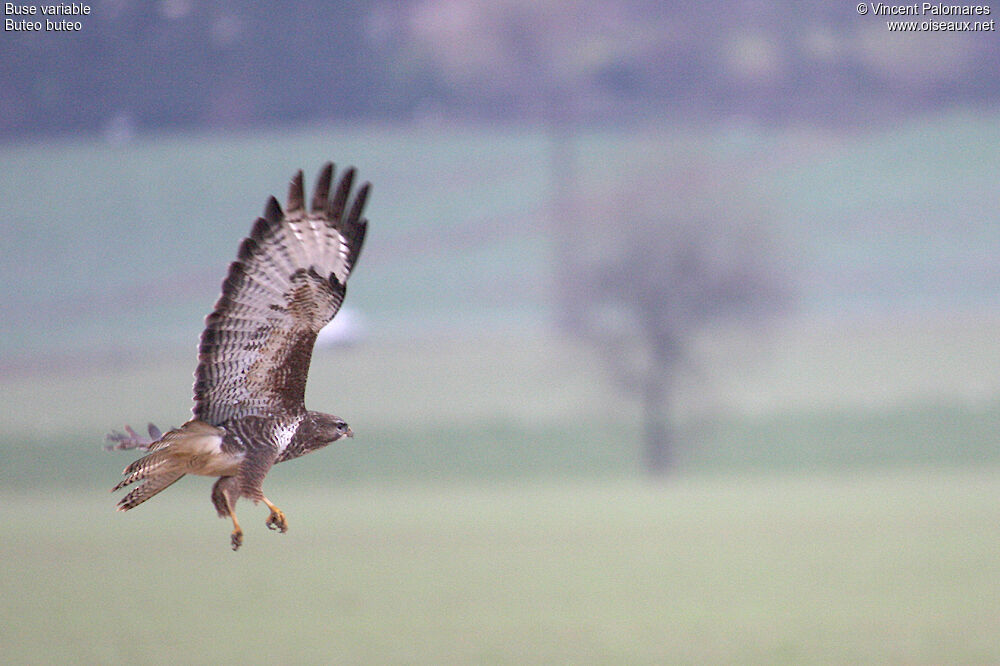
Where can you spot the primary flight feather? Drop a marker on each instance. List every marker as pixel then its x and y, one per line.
pixel 288 281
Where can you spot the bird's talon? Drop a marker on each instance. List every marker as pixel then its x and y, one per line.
pixel 276 521
pixel 237 540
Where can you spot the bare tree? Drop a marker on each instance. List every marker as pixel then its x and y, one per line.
pixel 689 253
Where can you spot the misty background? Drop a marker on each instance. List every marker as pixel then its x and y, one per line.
pixel 838 173
pixel 717 243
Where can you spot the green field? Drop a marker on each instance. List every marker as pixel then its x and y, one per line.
pixel 896 567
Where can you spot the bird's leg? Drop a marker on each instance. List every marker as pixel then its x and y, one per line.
pixel 276 521
pixel 225 492
pixel 237 535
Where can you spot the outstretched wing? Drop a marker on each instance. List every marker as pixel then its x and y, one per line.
pixel 287 282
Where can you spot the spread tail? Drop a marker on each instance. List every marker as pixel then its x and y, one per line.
pixel 169 459
pixel 152 484
pixel 156 470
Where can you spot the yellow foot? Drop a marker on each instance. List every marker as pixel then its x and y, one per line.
pixel 237 539
pixel 276 521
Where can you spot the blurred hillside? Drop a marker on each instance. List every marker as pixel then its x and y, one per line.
pixel 900 220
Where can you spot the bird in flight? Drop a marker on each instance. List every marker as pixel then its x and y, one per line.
pixel 288 281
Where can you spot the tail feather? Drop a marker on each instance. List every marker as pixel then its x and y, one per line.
pixel 157 471
pixel 170 457
pixel 144 467
pixel 150 487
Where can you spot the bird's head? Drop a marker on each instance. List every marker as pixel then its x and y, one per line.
pixel 327 428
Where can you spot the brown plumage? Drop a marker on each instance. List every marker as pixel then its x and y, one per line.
pixel 288 281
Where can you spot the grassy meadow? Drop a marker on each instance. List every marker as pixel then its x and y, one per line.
pixel 896 567
pixel 838 469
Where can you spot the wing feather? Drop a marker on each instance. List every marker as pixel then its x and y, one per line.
pixel 296 196
pixel 288 281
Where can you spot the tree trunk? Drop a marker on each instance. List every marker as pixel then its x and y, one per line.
pixel 562 164
pixel 658 451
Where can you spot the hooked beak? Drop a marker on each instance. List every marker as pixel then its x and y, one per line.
pixel 349 433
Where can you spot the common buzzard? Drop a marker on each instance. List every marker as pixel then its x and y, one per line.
pixel 287 282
